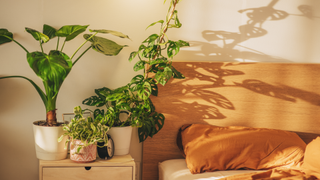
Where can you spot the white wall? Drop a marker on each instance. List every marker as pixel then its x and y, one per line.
pixel 215 29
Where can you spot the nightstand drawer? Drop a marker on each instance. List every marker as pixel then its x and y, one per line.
pixel 94 173
pixel 117 168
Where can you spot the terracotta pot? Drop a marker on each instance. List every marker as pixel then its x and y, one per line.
pixel 86 154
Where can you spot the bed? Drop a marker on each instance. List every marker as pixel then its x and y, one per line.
pixel 280 96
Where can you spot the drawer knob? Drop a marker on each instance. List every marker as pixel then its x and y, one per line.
pixel 87 168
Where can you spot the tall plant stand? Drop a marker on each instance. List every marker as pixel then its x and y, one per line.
pixel 117 168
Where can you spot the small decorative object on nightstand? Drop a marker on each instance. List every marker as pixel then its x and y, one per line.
pixel 106 152
pixel 117 168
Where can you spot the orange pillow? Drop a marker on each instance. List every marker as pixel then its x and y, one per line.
pixel 208 148
pixel 311 162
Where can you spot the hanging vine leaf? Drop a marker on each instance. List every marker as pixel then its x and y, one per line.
pixel 154 87
pixel 164 76
pixel 139 65
pixel 133 55
pixel 177 74
pixel 177 23
pixel 158 120
pixel 144 90
pixel 160 21
pixel 151 39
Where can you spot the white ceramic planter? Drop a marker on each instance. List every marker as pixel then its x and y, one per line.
pixel 122 138
pixel 46 143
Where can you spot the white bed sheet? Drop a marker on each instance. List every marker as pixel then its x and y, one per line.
pixel 176 169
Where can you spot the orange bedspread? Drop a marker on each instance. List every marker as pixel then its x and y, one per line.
pixel 274 174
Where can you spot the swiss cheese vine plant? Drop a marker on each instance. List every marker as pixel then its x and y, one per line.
pixel 155 56
pixel 54 67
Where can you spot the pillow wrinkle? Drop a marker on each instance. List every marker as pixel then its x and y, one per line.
pixel 311 162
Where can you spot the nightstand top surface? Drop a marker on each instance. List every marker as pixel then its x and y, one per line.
pixel 125 160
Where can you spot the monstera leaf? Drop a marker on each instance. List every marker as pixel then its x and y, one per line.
pixel 151 126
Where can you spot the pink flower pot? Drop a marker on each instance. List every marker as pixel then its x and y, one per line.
pixel 86 154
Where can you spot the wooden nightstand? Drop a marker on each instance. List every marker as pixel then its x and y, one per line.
pixel 117 168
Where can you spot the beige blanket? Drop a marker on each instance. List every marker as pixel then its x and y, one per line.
pixel 273 174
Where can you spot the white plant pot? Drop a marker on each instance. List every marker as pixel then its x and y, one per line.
pixel 122 138
pixel 46 143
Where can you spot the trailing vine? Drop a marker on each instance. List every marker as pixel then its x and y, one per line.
pixel 152 60
pixel 134 98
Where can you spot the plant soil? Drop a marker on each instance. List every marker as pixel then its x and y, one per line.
pixel 44 123
pixel 117 124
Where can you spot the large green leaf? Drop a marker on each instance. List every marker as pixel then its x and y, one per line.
pixel 38 35
pixel 103 45
pixel 52 68
pixel 71 31
pixel 115 33
pixel 49 31
pixel 5 36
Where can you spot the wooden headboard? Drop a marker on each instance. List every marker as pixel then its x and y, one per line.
pixel 269 95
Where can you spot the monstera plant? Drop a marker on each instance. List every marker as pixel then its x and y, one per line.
pixel 53 67
pixel 154 56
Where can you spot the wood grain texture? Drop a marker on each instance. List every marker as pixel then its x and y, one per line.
pixel 269 95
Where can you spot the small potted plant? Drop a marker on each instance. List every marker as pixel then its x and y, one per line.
pixel 116 114
pixel 84 135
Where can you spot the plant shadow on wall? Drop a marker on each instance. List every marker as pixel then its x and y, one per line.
pixel 224 45
pixel 196 96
